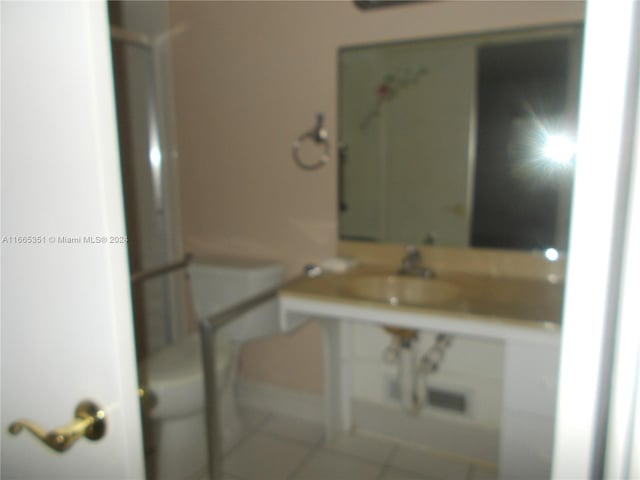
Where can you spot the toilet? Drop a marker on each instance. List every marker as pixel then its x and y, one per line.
pixel 174 374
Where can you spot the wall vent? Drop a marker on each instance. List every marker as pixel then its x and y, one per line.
pixel 446 399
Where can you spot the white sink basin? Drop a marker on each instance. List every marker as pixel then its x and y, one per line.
pixel 400 290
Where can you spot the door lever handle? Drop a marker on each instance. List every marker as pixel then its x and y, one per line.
pixel 89 422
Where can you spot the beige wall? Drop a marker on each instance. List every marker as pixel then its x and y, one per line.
pixel 249 78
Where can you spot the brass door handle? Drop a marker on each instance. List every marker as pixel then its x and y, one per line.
pixel 89 422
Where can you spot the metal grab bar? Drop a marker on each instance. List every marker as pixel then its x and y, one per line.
pixel 209 326
pixel 208 329
pixel 161 270
pixel 134 38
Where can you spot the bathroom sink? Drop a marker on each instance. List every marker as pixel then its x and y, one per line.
pixel 400 290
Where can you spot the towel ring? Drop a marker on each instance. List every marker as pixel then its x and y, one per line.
pixel 319 135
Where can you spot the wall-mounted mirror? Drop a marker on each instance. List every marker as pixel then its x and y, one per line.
pixel 460 141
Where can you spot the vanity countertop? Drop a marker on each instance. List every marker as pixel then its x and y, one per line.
pixel 519 302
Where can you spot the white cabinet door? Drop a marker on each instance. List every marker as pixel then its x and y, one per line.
pixel 67 332
pixel 528 409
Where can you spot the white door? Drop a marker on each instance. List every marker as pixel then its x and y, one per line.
pixel 67 331
pixel 597 430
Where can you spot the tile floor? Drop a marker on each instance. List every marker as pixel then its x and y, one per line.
pixel 282 448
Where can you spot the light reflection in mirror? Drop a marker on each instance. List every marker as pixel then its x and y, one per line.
pixel 559 148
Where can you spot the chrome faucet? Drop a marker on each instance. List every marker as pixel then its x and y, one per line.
pixel 412 264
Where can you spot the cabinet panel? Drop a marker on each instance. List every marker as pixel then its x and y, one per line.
pixel 526 446
pixel 531 377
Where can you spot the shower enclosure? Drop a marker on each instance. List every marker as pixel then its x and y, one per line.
pixel 148 155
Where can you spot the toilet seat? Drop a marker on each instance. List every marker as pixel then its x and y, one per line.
pixel 175 375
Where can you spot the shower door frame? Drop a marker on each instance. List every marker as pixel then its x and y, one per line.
pixel 161 159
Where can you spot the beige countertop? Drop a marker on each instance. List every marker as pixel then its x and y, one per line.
pixel 517 301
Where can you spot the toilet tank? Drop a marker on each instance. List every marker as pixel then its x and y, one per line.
pixel 219 283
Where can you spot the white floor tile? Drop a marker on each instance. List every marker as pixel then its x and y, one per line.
pixel 295 429
pixel 395 474
pixel 362 446
pixel 252 418
pixel 225 476
pixel 204 475
pixel 481 473
pixel 265 457
pixel 326 465
pixel 428 464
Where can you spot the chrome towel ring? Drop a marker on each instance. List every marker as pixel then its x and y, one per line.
pixel 320 136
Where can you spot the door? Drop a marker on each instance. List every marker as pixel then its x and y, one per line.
pixel 67 331
pixel 597 430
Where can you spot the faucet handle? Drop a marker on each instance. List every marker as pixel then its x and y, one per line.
pixel 412 264
pixel 413 252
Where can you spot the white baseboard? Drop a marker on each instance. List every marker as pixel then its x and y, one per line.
pixel 279 400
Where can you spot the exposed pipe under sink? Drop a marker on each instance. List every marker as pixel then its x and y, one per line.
pixel 412 373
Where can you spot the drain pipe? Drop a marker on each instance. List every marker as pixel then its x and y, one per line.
pixel 412 375
pixel 412 388
pixel 430 361
pixel 402 353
